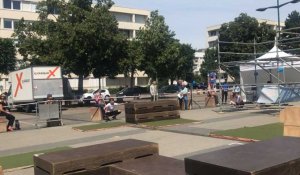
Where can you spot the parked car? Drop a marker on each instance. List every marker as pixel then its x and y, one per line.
pixel 89 96
pixel 135 91
pixel 168 91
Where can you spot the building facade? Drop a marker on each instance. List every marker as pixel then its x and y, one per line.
pixel 129 22
pixel 198 59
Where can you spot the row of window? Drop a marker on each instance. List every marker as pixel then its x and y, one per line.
pixel 125 17
pixel 19 5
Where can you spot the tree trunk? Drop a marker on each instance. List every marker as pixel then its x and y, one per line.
pixel 132 78
pixel 80 84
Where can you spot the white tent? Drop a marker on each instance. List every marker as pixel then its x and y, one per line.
pixel 268 69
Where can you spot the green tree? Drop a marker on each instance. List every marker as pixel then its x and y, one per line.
pixel 244 29
pixel 156 41
pixel 82 39
pixel 291 30
pixel 7 56
pixel 210 63
pixel 132 61
pixel 185 62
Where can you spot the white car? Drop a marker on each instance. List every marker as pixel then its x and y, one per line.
pixel 89 96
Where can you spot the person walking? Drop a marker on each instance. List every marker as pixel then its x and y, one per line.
pixel 224 88
pixel 154 91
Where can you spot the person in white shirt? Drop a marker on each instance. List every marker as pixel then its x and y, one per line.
pixel 153 91
pixel 110 110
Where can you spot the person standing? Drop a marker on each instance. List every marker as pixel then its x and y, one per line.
pixel 224 88
pixel 184 93
pixel 7 114
pixel 153 91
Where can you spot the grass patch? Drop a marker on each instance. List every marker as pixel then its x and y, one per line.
pixel 100 126
pixel 25 159
pixel 168 122
pixel 258 133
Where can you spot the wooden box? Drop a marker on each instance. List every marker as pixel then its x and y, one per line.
pixel 210 102
pixel 290 115
pixel 92 157
pixel 3 124
pixel 293 131
pixel 96 114
pixel 280 156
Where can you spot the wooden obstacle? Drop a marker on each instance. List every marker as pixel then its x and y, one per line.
pixel 290 116
pixel 138 112
pixel 3 124
pixel 92 157
pixel 210 102
pixel 280 156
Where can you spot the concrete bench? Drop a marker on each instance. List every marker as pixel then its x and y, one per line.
pixel 3 124
pixel 88 158
pixel 280 156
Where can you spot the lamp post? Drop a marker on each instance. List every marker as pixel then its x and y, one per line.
pixel 278 6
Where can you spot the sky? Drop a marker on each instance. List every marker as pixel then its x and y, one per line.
pixel 190 18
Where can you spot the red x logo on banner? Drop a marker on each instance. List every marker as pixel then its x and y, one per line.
pixel 51 73
pixel 19 85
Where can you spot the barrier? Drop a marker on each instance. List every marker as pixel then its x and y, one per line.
pixel 290 116
pixel 3 124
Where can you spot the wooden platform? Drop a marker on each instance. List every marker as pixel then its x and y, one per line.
pixel 138 112
pixel 280 156
pixel 96 114
pixel 87 158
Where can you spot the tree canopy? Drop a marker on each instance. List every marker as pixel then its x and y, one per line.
pixel 241 32
pixel 7 56
pixel 164 56
pixel 83 39
pixel 291 33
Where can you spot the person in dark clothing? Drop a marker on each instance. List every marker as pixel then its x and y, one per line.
pixel 7 114
pixel 224 88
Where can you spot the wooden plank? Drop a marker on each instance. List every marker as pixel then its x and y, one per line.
pixel 293 131
pixel 139 118
pixel 92 157
pixel 280 156
pixel 210 102
pixel 108 170
pixel 291 115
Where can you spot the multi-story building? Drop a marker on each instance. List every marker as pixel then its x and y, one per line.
pixel 212 33
pixel 130 21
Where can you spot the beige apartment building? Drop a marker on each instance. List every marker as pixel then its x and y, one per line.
pixel 130 21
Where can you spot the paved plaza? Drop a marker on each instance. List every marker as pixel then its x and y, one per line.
pixel 174 141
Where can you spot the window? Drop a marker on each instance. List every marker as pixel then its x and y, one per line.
pixel 123 17
pixel 8 24
pixel 9 4
pixel 28 6
pixel 127 33
pixel 16 5
pixel 140 19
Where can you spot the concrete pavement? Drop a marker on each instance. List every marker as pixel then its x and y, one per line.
pixel 174 141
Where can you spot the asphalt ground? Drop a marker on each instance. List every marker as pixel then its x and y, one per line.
pixel 178 141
